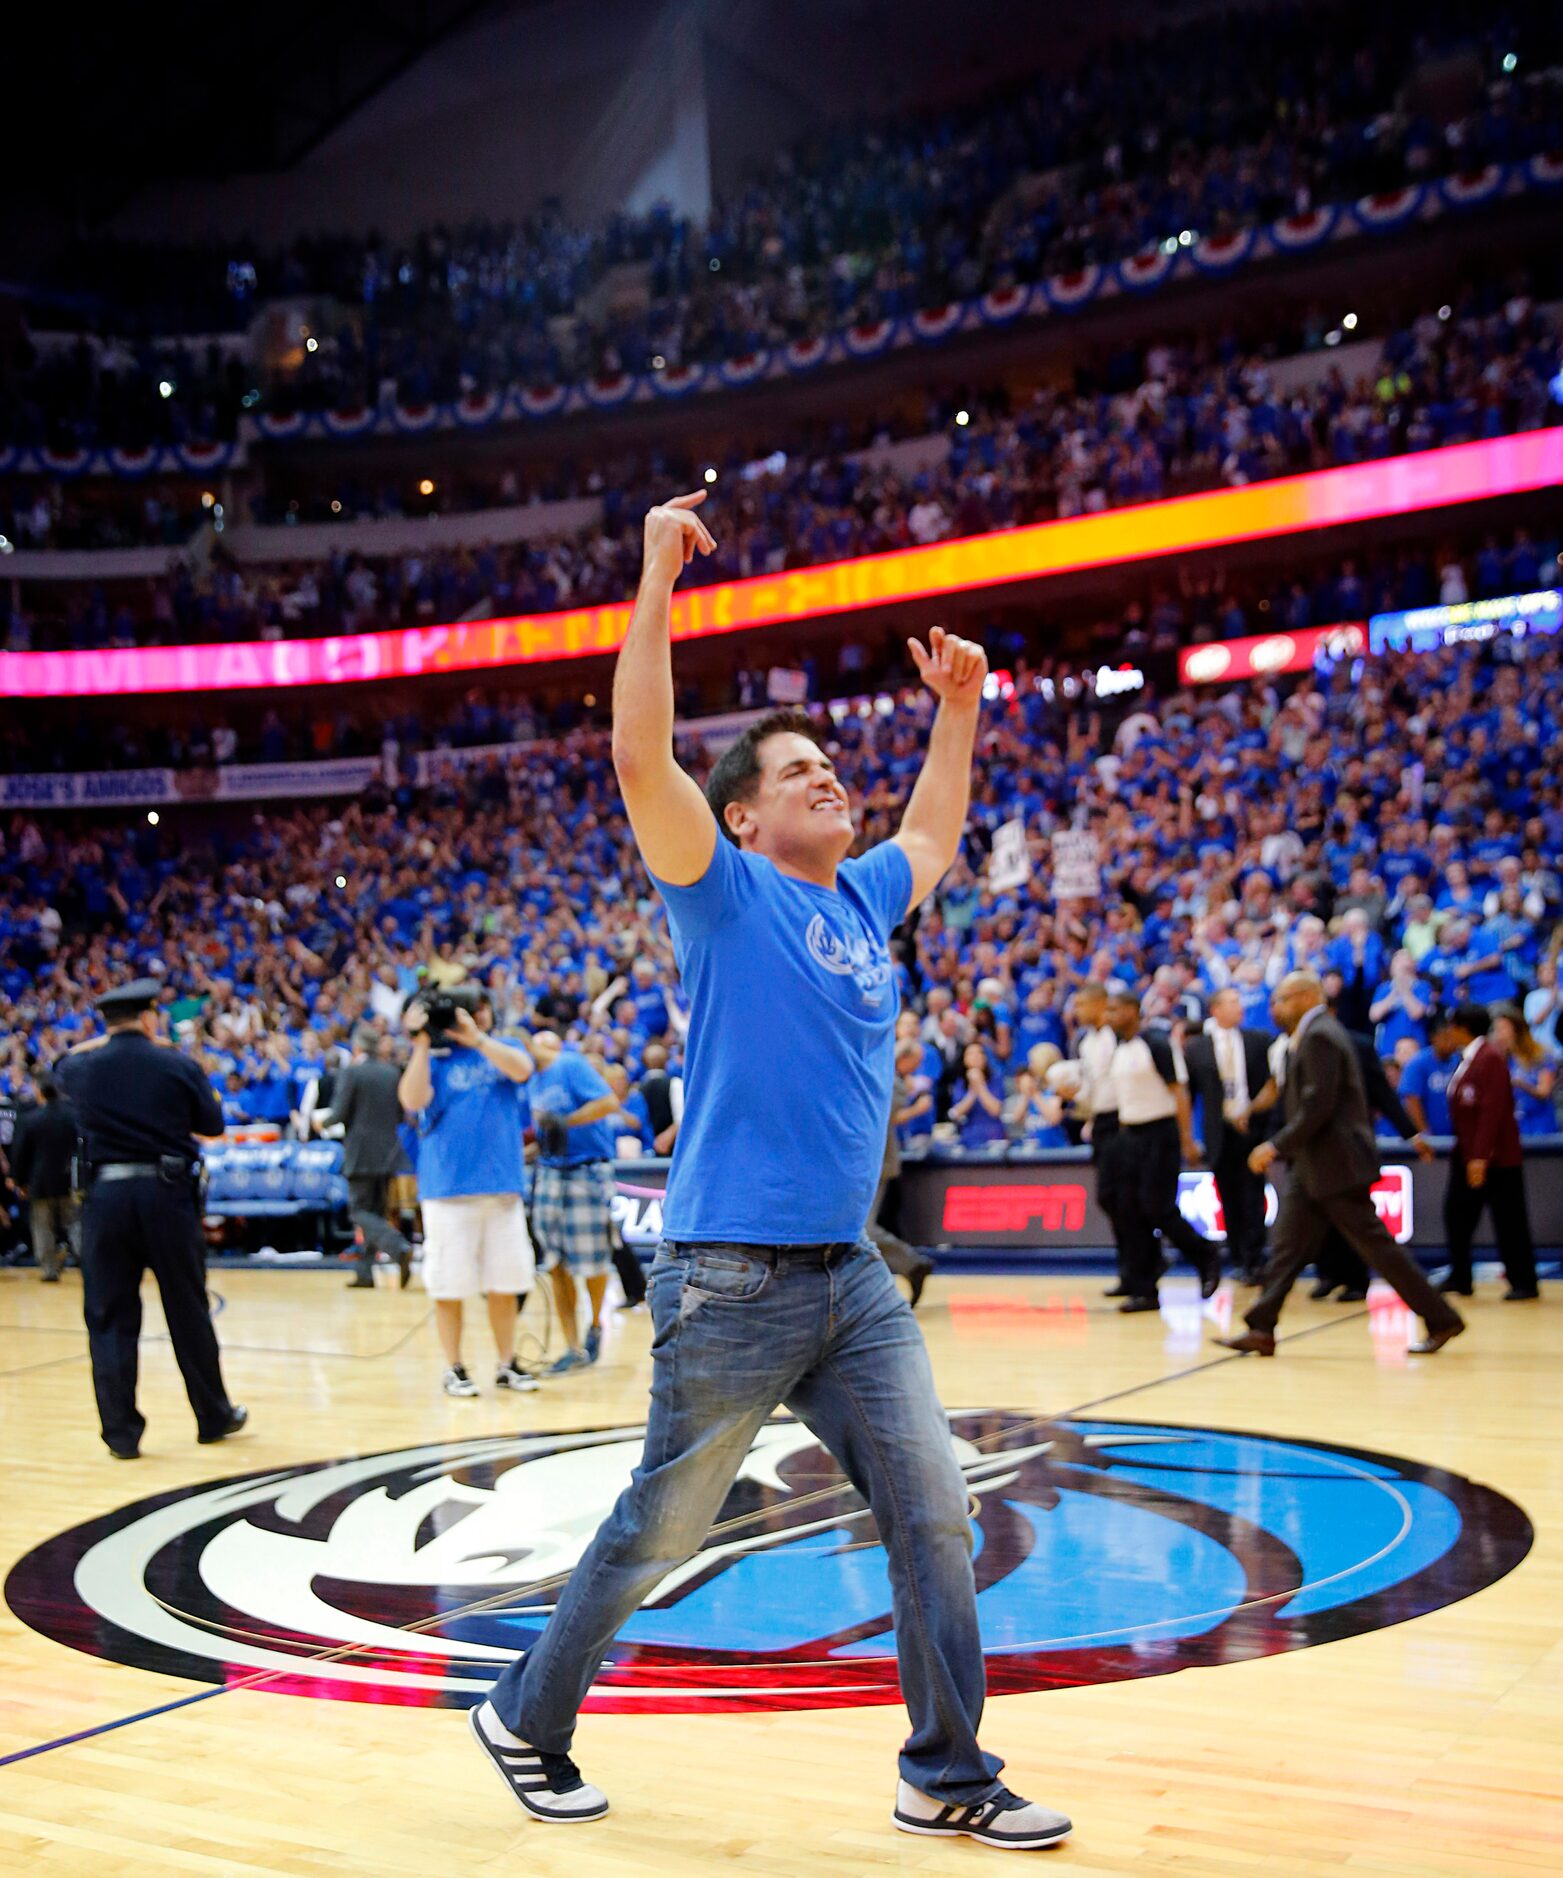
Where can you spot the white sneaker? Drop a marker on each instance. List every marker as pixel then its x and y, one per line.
pixel 1006 1821
pixel 549 1786
pixel 458 1382
pixel 512 1376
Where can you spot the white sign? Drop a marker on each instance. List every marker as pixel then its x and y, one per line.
pixel 1077 865
pixel 234 782
pixel 1009 865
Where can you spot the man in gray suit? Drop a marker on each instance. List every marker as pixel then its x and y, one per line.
pixel 364 1102
pixel 1327 1137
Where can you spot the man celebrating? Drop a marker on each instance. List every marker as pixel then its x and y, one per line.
pixel 765 1290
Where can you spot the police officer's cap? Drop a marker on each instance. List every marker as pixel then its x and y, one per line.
pixel 127 1001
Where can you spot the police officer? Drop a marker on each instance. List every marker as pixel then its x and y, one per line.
pixel 138 1105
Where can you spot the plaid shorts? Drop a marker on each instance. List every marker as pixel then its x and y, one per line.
pixel 570 1216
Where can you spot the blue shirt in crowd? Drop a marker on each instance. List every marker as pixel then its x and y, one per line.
pixel 469 1137
pixel 568 1084
pixel 790 1051
pixel 1426 1077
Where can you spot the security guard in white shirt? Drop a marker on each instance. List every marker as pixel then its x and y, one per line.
pixel 1155 1135
pixel 1097 1096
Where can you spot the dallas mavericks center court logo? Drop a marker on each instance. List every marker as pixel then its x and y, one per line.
pixel 1105 1550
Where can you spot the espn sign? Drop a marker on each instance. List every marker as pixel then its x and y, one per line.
pixel 995 1207
pixel 1200 1203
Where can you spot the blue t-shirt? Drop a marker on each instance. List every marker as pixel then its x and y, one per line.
pixel 469 1137
pixel 568 1084
pixel 1426 1077
pixel 791 1047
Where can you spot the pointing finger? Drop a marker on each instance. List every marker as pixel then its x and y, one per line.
pixel 919 657
pixel 692 501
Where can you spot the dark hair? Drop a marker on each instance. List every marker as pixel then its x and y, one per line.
pixel 736 774
pixel 1470 1017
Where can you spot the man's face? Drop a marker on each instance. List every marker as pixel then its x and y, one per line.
pixel 799 809
pixel 1123 1015
pixel 1226 1007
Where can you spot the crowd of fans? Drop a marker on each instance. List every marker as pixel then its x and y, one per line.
pixel 1154 613
pixel 1398 828
pixel 1208 125
pixel 1183 419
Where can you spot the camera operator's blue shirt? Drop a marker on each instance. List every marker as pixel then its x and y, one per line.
pixel 568 1084
pixel 790 1055
pixel 469 1137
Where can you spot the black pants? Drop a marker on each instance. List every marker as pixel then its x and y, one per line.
pixel 368 1196
pixel 1340 1267
pixel 632 1274
pixel 1147 1158
pixel 1300 1232
pixel 1106 1143
pixel 1503 1192
pixel 893 1249
pixel 127 1227
pixel 1242 1200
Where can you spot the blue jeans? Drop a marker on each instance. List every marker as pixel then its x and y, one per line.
pixel 735 1336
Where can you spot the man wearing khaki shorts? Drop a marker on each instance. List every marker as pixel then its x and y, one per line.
pixel 465 1090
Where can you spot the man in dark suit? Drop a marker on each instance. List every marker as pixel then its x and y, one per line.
pixel 1339 1269
pixel 1486 1168
pixel 1327 1139
pixel 364 1101
pixel 1228 1070
pixel 43 1165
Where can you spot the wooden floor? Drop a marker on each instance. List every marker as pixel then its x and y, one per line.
pixel 1433 1746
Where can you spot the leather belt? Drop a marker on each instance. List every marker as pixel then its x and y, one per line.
pixel 127 1170
pixel 819 1254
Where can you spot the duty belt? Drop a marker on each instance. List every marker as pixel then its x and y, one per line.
pixel 171 1170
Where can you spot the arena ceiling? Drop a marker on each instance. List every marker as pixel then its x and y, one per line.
pixel 108 101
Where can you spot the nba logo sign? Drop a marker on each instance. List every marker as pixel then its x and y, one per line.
pixel 1199 1201
pixel 1392 1202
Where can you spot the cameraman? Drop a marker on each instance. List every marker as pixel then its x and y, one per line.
pixel 465 1088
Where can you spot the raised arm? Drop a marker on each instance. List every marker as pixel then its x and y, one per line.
pixel 674 828
pixel 935 819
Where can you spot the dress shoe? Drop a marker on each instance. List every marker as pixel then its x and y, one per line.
pixel 363 1282
pixel 1511 1296
pixel 1119 1290
pixel 238 1415
pixel 123 1453
pixel 1210 1275
pixel 1348 1296
pixel 404 1267
pixel 1435 1340
pixel 1131 1306
pixel 1250 1343
pixel 917 1277
pixel 1450 1289
pixel 1322 1289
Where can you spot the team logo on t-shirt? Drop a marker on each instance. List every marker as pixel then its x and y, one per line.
pixel 849 956
pixel 1105 1550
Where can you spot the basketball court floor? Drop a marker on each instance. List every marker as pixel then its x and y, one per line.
pixel 1295 1616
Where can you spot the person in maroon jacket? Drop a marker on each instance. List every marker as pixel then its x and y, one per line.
pixel 1486 1169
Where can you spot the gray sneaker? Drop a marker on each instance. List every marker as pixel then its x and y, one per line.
pixel 513 1376
pixel 456 1381
pixel 549 1786
pixel 1004 1820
